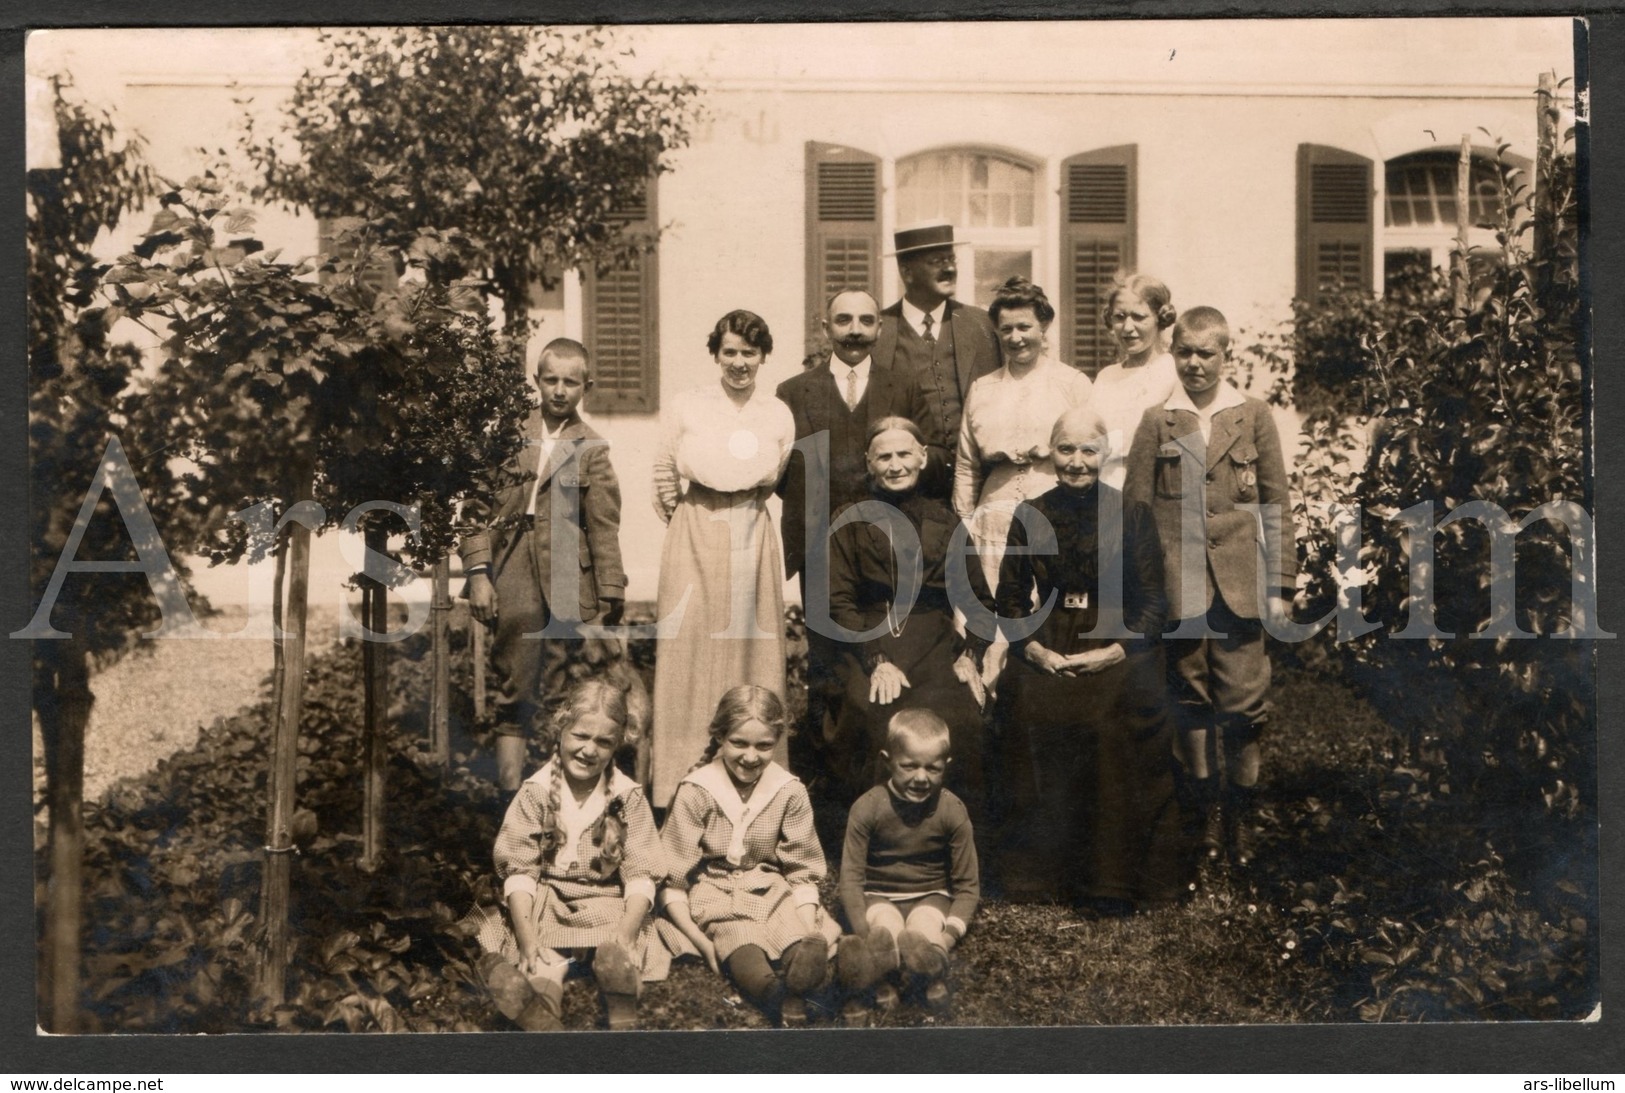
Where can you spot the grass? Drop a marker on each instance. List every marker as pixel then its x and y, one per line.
pixel 173 878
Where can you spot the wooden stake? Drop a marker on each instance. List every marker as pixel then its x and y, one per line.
pixel 289 705
pixel 1464 219
pixel 1546 139
pixel 63 729
pixel 477 629
pixel 440 663
pixel 374 730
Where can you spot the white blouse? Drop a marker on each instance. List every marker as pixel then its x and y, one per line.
pixel 1122 396
pixel 723 446
pixel 1009 420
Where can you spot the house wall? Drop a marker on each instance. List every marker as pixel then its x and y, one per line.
pixel 1217 110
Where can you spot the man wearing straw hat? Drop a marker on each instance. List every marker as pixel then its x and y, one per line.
pixel 935 346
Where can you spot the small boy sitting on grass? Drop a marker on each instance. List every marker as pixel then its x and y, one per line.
pixel 909 880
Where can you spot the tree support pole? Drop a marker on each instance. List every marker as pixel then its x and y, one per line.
pixel 63 729
pixel 272 972
pixel 374 733
pixel 440 663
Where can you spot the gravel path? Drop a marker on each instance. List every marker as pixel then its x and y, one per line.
pixel 154 702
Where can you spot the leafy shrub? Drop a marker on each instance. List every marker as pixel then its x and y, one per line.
pixel 1407 401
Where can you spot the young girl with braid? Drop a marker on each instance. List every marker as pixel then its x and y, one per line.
pixel 744 862
pixel 579 860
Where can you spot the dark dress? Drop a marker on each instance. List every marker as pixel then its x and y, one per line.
pixel 863 582
pixel 1087 807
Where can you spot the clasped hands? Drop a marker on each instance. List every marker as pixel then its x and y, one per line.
pixel 1085 663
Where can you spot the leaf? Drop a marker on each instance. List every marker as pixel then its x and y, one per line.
pixel 338 943
pixel 1375 956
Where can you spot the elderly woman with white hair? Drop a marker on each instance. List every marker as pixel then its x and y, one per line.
pixel 1088 775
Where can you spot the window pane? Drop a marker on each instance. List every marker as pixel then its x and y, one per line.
pixel 994 267
pixel 966 188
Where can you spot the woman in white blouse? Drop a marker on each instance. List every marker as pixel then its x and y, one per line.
pixel 1004 456
pixel 1138 311
pixel 721 600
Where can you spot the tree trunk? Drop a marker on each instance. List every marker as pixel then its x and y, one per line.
pixel 440 664
pixel 374 735
pixel 64 713
pixel 288 703
pixel 1464 219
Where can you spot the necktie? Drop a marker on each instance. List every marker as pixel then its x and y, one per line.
pixel 851 388
pixel 930 338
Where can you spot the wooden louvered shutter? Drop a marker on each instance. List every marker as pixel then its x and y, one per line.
pixel 380 276
pixel 1098 212
pixel 1334 220
pixel 843 228
pixel 621 319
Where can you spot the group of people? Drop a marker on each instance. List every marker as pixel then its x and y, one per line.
pixel 1034 610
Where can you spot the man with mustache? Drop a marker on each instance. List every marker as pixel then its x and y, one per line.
pixel 833 404
pixel 935 346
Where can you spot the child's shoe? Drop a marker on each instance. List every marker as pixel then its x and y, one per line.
pixel 618 980
pixel 937 997
pixel 542 1012
pixel 886 998
pixel 793 1012
pixel 509 989
pixel 1211 842
pixel 806 964
pixel 883 951
pixel 855 963
pixel 920 957
pixel 1239 824
pixel 855 1013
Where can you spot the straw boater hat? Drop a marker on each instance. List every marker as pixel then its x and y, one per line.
pixel 928 235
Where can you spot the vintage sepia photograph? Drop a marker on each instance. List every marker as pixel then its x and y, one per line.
pixel 843 525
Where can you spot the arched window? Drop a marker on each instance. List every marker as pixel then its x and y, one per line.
pixel 1419 212
pixel 992 201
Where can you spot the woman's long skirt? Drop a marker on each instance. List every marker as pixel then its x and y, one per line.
pixel 721 614
pixel 1088 789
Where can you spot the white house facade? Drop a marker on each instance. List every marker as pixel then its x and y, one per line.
pixel 1242 162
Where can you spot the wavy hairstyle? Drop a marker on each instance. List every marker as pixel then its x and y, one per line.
pixel 1145 287
pixel 1018 292
pixel 751 327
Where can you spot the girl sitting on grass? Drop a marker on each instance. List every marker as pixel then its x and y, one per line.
pixel 579 860
pixel 745 863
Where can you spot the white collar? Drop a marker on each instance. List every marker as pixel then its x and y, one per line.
pixel 1227 397
pixel 916 317
pixel 576 818
pixel 715 780
pixel 840 368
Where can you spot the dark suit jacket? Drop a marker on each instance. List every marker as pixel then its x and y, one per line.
pixel 976 353
pixel 816 403
pixel 578 473
pixel 1243 466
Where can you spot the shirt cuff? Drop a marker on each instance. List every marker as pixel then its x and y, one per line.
pixel 519 882
pixel 956 926
pixel 641 886
pixel 804 895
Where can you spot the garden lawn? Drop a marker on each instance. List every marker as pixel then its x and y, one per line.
pixel 1366 904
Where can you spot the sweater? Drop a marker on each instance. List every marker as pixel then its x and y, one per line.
pixel 898 848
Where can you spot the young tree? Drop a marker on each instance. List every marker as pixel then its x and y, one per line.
pixel 76 382
pixel 529 140
pixel 301 397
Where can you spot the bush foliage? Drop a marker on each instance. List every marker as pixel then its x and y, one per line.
pixel 1408 401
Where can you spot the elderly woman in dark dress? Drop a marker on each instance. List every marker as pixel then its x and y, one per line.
pixel 1085 737
pixel 912 656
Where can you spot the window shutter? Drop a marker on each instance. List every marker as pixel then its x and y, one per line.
pixel 843 228
pixel 1335 240
pixel 1098 210
pixel 621 320
pixel 380 276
